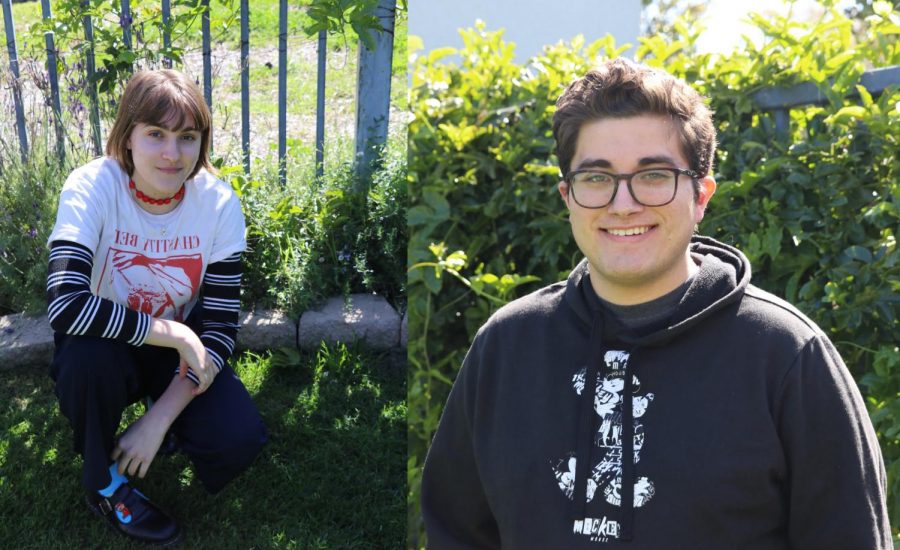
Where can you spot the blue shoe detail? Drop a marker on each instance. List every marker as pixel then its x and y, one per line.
pixel 116 478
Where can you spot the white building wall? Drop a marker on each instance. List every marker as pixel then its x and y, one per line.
pixel 530 24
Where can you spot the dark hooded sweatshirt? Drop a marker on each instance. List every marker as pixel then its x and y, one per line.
pixel 736 422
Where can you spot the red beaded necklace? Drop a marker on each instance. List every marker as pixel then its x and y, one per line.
pixel 159 202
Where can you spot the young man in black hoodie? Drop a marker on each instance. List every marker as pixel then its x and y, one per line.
pixel 729 413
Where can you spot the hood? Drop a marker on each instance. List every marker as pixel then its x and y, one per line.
pixel 723 275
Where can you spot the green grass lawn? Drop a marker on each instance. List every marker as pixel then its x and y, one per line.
pixel 331 476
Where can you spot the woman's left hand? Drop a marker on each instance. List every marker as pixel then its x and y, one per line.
pixel 137 447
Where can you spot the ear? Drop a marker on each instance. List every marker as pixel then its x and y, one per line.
pixel 563 188
pixel 706 190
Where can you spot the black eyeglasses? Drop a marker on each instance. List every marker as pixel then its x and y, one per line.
pixel 654 187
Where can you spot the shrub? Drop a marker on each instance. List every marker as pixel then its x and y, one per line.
pixel 29 193
pixel 315 239
pixel 816 210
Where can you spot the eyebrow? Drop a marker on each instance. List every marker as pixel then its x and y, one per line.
pixel 644 161
pixel 179 130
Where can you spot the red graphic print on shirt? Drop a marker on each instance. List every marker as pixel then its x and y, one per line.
pixel 160 287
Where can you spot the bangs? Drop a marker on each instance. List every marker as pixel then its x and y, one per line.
pixel 170 110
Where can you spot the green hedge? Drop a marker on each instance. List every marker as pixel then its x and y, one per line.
pixel 816 211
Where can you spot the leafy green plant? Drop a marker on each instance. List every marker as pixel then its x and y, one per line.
pixel 114 60
pixel 335 16
pixel 29 191
pixel 307 242
pixel 816 209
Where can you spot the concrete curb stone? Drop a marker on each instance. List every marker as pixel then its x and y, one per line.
pixel 28 340
pixel 266 329
pixel 366 317
pixel 25 340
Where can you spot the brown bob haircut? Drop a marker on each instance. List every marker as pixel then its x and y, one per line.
pixel 621 88
pixel 163 98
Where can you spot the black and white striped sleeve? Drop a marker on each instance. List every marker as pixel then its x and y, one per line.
pixel 221 302
pixel 73 309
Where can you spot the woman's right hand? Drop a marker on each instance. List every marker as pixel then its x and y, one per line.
pixel 172 334
pixel 193 354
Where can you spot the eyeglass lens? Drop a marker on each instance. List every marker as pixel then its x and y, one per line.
pixel 649 187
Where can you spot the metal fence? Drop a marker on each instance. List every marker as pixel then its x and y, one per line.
pixel 779 101
pixel 373 86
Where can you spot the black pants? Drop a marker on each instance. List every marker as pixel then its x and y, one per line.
pixel 97 378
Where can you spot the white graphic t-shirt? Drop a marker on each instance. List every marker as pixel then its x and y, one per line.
pixel 150 263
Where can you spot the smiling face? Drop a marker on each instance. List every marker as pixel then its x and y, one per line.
pixel 163 157
pixel 636 253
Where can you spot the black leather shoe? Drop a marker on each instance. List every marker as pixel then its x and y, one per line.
pixel 132 514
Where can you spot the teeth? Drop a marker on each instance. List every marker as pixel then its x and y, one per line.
pixel 629 231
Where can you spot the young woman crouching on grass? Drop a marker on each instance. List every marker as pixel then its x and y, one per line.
pixel 143 295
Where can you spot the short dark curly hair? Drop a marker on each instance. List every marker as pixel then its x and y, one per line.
pixel 621 88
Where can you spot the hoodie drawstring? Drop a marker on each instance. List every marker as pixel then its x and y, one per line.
pixel 587 431
pixel 627 487
pixel 586 428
